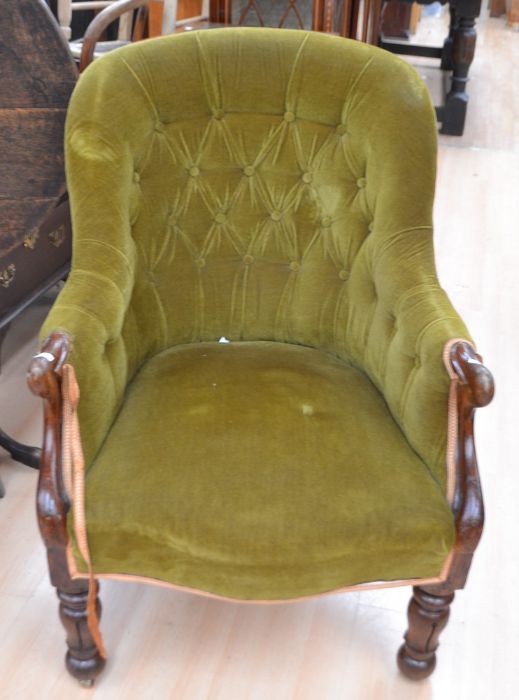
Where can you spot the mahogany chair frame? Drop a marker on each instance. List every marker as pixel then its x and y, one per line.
pixel 429 607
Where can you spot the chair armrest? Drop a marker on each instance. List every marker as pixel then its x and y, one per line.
pixel 473 374
pixel 44 380
pixel 88 319
pixel 474 388
pixel 404 358
pixel 103 20
pixel 46 366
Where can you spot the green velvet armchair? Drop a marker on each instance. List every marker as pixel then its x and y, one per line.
pixel 276 396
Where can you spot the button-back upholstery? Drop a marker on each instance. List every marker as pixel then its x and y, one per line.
pixel 259 185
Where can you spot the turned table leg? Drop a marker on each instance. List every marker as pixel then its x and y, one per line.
pixel 428 613
pixel 446 60
pixel 83 659
pixel 463 48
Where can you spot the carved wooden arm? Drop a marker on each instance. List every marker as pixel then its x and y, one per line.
pixel 473 374
pixel 85 657
pixel 475 389
pixel 104 19
pixel 44 380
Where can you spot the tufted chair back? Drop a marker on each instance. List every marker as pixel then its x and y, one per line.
pixel 257 184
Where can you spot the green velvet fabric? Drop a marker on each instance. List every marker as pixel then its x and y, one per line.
pixel 263 185
pixel 267 470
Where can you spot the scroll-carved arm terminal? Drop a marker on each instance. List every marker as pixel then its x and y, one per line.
pixel 44 379
pixel 473 374
pixel 475 389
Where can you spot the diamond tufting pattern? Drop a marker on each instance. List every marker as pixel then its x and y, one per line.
pixel 230 183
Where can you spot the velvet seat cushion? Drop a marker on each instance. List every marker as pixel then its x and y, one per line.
pixel 261 470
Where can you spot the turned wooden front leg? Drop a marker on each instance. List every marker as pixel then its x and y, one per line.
pixel 83 660
pixel 428 613
pixel 462 55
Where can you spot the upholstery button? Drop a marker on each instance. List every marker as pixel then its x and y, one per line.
pixel 307 177
pixel 159 128
pixel 361 182
pixel 294 266
pixel 220 218
pixel 326 221
pixel 248 259
pixel 248 170
pixel 194 171
pixel 172 219
pixel 276 215
pixel 200 262
pixel 343 275
pixel 341 129
pixel 218 114
pixel 136 177
pixel 371 226
pixel 289 116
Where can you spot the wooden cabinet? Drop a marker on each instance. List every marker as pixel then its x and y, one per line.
pixel 38 75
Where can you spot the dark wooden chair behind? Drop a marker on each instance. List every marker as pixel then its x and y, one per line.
pixel 37 78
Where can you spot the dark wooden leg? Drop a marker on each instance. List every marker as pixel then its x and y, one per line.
pixel 428 613
pixel 26 454
pixel 82 660
pixel 446 62
pixel 19 452
pixel 463 47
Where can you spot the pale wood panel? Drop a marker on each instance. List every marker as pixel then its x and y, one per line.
pixel 171 645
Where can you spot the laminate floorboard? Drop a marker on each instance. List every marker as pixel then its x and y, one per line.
pixel 171 645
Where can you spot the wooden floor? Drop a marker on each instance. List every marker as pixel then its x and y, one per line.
pixel 164 644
